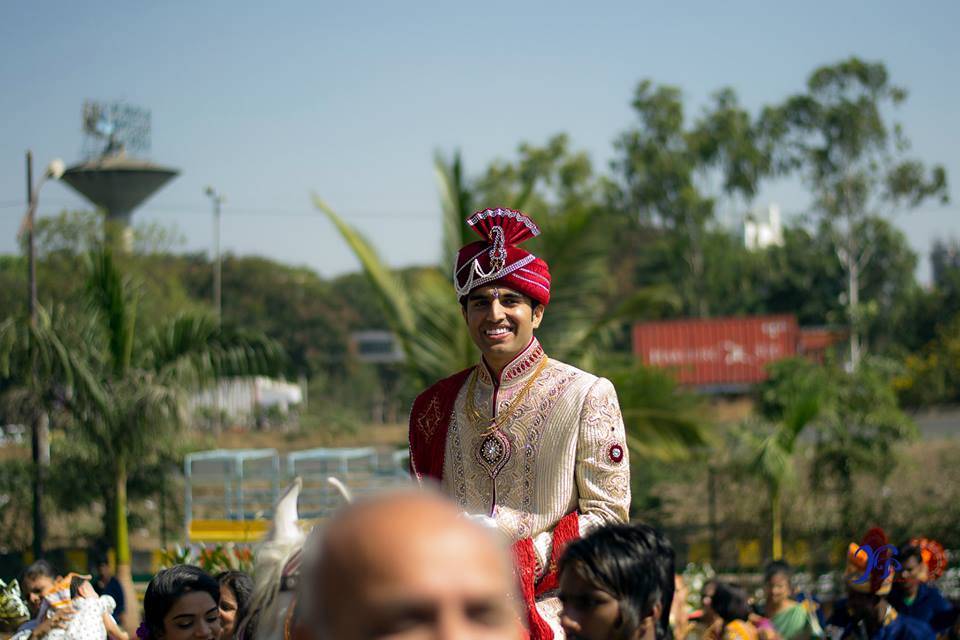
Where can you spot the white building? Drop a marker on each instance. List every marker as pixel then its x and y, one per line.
pixel 762 228
pixel 240 399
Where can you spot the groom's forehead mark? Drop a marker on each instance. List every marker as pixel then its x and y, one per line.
pixel 494 292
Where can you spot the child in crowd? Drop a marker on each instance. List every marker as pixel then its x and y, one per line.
pixel 92 618
pixel 731 605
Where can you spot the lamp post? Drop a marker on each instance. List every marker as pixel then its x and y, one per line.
pixel 39 442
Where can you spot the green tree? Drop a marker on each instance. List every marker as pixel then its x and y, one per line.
pixel 839 136
pixel 859 428
pixel 670 175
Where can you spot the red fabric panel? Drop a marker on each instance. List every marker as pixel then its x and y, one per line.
pixel 525 560
pixel 429 422
pixel 567 529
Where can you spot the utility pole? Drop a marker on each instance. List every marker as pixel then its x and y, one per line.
pixel 31 245
pixel 217 200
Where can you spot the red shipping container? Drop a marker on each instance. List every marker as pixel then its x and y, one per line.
pixel 719 352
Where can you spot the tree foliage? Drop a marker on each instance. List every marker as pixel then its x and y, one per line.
pixel 838 135
pixel 670 174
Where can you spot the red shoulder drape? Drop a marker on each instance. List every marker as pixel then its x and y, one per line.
pixel 429 422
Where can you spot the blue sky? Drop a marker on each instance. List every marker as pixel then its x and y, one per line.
pixel 270 101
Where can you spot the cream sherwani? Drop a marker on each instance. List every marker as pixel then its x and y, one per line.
pixel 562 449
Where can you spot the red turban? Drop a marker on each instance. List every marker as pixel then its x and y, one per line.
pixel 498 259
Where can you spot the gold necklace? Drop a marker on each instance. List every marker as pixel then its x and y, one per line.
pixel 498 421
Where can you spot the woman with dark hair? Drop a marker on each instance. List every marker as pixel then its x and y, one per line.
pixel 731 605
pixel 793 620
pixel 236 589
pixel 617 584
pixel 181 603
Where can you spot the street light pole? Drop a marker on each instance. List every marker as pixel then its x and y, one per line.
pixel 31 245
pixel 39 440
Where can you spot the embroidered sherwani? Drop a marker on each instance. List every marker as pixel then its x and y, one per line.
pixel 560 450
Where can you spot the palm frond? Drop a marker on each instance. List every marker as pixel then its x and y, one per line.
pixel 456 203
pixel 772 447
pixel 573 245
pixel 772 462
pixel 662 421
pixel 800 411
pixel 53 358
pixel 441 344
pixel 193 351
pixel 388 287
pixel 640 305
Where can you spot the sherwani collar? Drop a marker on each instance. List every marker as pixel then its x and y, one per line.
pixel 517 370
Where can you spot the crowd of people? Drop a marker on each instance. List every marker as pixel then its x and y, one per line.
pixel 411 565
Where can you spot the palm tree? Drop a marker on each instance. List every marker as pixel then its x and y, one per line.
pixel 126 388
pixel 771 449
pixel 428 323
pixel 144 378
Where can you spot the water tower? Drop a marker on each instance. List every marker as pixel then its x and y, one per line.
pixel 113 173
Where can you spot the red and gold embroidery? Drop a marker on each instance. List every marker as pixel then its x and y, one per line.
pixel 429 420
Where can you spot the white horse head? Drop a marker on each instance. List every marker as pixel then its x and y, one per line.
pixel 276 570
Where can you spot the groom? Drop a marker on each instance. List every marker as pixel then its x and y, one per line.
pixel 534 444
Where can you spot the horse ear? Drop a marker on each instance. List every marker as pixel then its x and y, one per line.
pixel 285 528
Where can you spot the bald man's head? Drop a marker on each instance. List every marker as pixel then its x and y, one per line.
pixel 409 565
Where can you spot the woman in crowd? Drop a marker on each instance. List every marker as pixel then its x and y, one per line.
pixel 236 589
pixel 792 619
pixel 617 584
pixel 181 603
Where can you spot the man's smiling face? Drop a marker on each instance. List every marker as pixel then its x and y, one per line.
pixel 501 322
